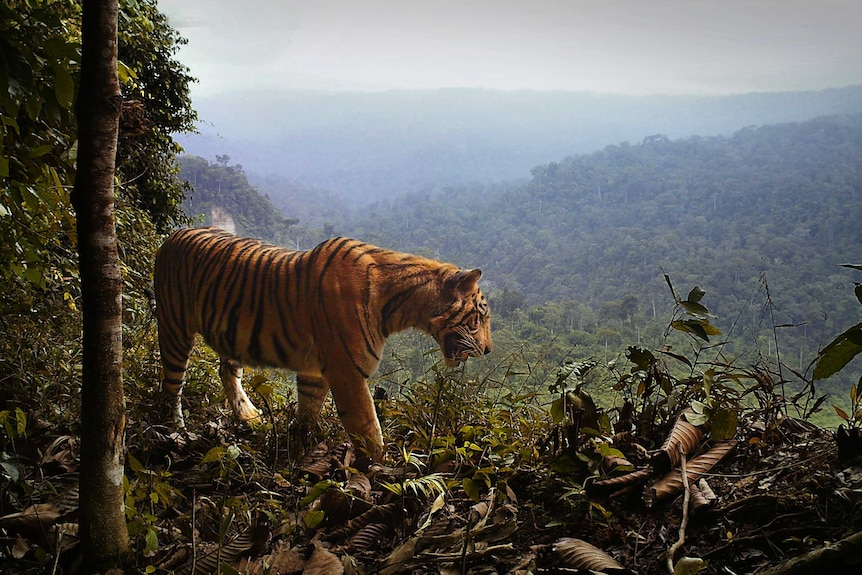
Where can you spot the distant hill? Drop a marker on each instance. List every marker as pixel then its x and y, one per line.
pixel 773 207
pixel 366 146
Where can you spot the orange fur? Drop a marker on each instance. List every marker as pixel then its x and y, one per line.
pixel 324 313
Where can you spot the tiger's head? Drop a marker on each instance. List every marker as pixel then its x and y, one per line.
pixel 463 325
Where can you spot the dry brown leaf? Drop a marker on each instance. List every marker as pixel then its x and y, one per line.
pixel 249 567
pixel 359 485
pixel 377 514
pixel 179 556
pixel 323 562
pixel 20 548
pixel 33 522
pixel 367 537
pixel 605 487
pixel 698 500
pixel 578 554
pixel 611 462
pixel 683 437
pixel 209 560
pixel 63 452
pixel 671 483
pixel 317 461
pixel 285 559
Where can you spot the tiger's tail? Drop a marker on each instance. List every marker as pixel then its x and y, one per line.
pixel 151 299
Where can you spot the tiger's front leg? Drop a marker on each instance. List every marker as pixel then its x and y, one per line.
pixel 230 372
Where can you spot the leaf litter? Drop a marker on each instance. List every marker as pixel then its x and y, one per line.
pixel 251 509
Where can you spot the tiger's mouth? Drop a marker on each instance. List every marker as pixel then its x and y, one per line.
pixel 455 352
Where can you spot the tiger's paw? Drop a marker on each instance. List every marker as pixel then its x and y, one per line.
pixel 171 411
pixel 251 416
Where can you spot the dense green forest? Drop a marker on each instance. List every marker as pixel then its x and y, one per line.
pixel 575 260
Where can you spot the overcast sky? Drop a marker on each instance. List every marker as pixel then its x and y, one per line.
pixel 617 46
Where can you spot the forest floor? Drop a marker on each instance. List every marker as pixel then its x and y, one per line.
pixel 223 497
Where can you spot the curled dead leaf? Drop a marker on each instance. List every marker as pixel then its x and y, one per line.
pixel 684 437
pixel 671 483
pixel 578 554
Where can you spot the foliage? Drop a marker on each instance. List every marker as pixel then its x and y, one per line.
pixel 835 357
pixel 158 106
pixel 40 355
pixel 41 45
pixel 843 348
pixel 41 49
pixel 222 186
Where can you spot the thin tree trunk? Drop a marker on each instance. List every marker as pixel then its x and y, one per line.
pixel 103 532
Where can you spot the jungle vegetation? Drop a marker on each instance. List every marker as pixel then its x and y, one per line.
pixel 701 272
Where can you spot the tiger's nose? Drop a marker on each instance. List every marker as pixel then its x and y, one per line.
pixel 487 349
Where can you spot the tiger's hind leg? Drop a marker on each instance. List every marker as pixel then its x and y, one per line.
pixel 175 360
pixel 358 415
pixel 230 372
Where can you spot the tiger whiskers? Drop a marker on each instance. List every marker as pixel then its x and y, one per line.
pixel 468 342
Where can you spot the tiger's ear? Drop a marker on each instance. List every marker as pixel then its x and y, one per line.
pixel 464 281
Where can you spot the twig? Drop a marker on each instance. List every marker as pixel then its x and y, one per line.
pixel 194 529
pixel 684 523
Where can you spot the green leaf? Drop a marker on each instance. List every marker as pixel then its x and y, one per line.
pixel 724 423
pixel 125 74
pixel 471 488
pixel 35 276
pixel 557 412
pixel 316 491
pixel 692 327
pixel 642 358
pixel 696 294
pixel 669 285
pixel 677 357
pixel 64 86
pixel 697 418
pixel 151 539
pixel 838 353
pixel 39 151
pixel 708 377
pixel 694 308
pixel 21 420
pixel 133 462
pixel 313 518
pixel 217 453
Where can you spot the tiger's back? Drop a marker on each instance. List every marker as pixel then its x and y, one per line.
pixel 324 313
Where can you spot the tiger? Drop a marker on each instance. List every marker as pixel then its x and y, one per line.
pixel 324 313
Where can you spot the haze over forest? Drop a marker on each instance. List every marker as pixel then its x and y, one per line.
pixel 366 146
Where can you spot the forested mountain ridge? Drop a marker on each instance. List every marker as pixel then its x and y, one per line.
pixel 773 206
pixel 369 146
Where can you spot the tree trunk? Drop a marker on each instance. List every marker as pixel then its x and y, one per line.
pixel 103 533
